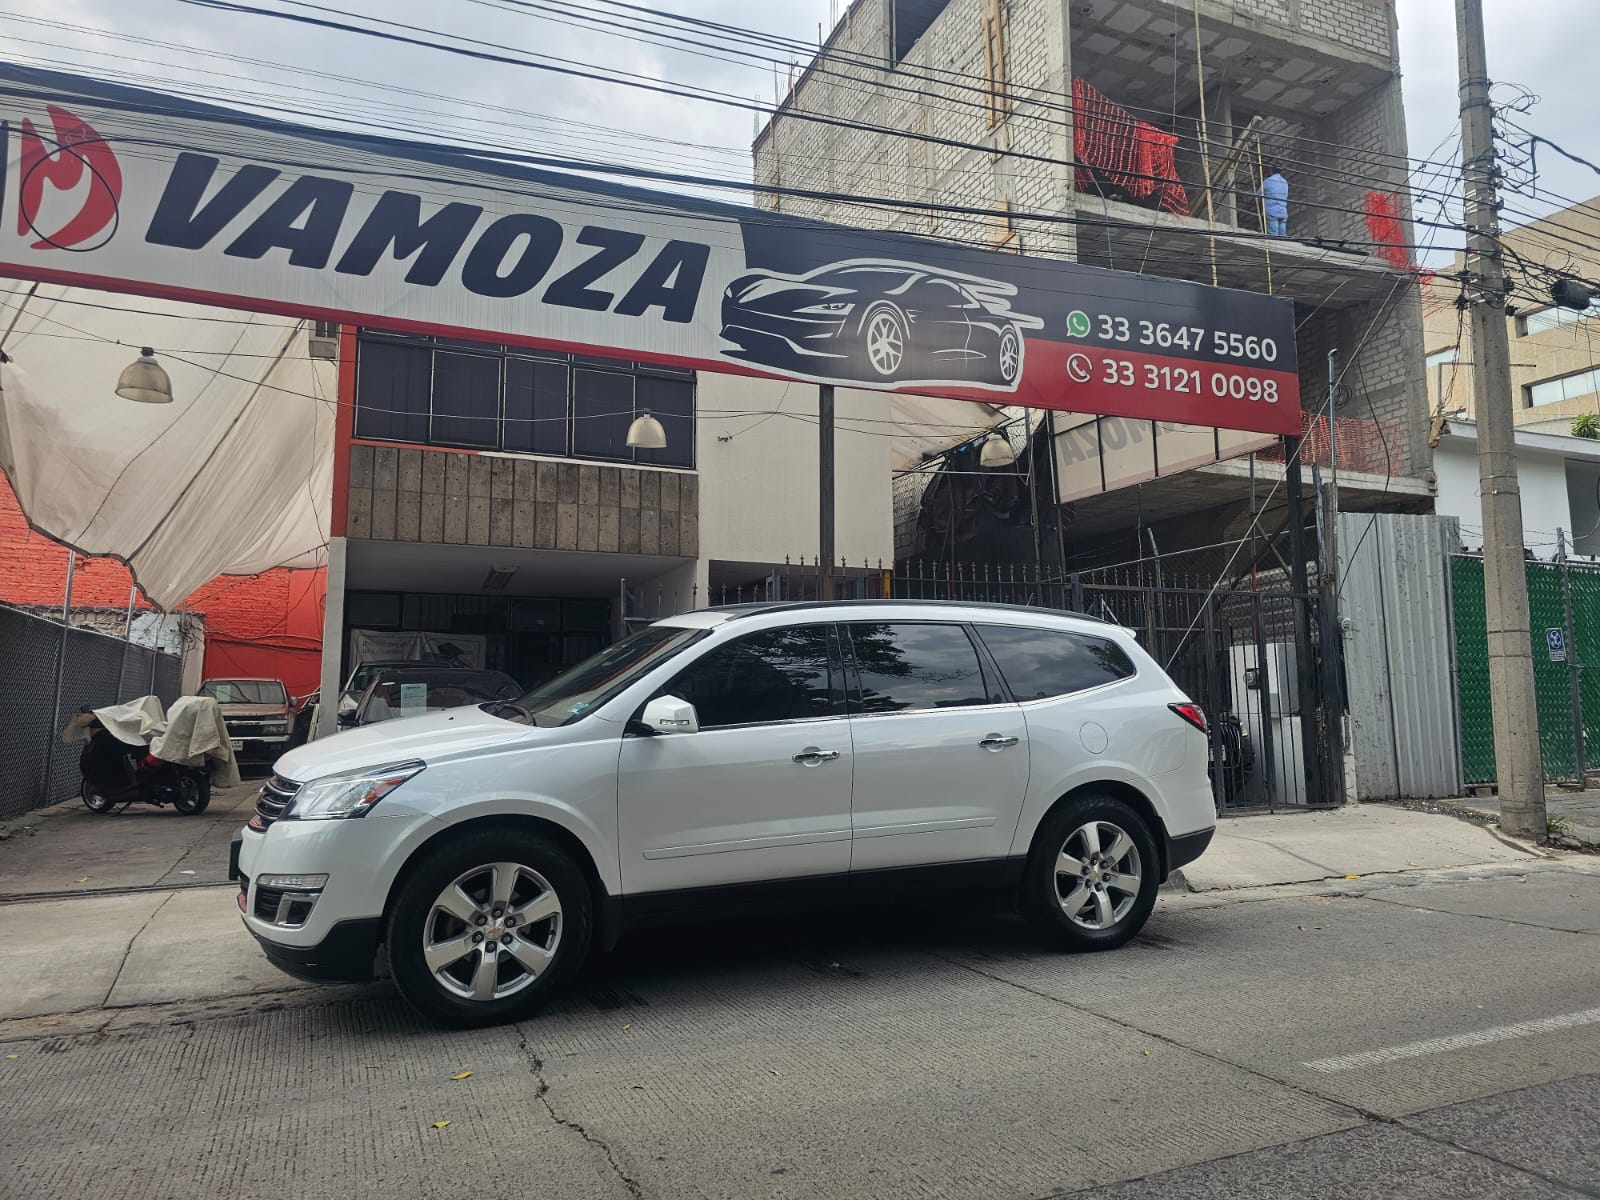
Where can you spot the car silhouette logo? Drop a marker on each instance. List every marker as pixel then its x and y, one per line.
pixel 879 322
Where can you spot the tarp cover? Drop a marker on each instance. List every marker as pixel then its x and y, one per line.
pixel 232 478
pixel 192 733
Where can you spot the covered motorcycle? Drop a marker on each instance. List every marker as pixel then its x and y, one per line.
pixel 136 753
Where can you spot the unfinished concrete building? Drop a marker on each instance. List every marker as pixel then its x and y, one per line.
pixel 1134 134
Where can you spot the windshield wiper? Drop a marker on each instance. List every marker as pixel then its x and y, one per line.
pixel 494 706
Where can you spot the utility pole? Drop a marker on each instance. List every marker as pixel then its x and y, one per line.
pixel 1519 769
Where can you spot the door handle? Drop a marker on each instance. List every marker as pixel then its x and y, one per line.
pixel 995 742
pixel 812 757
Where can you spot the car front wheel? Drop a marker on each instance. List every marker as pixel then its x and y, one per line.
pixel 1092 875
pixel 487 928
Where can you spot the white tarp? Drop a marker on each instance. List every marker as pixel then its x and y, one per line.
pixel 232 478
pixel 192 733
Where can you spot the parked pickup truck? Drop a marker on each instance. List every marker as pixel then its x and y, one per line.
pixel 257 713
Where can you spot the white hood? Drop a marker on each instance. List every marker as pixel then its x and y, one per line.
pixel 432 738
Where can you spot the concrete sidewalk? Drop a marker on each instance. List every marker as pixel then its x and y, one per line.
pixel 66 849
pixel 1357 840
pixel 1574 816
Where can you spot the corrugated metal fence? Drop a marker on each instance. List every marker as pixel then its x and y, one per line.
pixel 35 768
pixel 1395 609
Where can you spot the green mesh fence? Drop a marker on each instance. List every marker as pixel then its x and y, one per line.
pixel 1552 671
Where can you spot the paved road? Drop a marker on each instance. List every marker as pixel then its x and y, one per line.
pixel 1433 1034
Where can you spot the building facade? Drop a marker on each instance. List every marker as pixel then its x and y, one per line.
pixel 1555 371
pixel 488 492
pixel 1133 134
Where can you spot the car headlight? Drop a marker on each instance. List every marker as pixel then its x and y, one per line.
pixel 833 308
pixel 348 795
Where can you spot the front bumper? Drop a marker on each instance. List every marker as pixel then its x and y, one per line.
pixel 345 955
pixel 338 937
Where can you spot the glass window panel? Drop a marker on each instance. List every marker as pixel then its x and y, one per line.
pixel 1040 663
pixel 670 401
pixel 392 382
pixel 602 410
pixel 1567 387
pixel 466 399
pixel 906 666
pixel 775 675
pixel 536 406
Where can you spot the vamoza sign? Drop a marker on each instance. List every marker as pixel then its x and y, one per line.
pixel 134 191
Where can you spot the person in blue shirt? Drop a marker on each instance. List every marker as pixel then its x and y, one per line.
pixel 1275 191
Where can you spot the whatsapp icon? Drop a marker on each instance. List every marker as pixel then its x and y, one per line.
pixel 1078 323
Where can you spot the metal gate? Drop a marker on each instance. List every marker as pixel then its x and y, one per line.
pixel 1259 661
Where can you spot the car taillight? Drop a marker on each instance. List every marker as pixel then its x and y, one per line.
pixel 1191 713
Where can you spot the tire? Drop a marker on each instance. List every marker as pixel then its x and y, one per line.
pixel 94 799
pixel 883 339
pixel 532 960
pixel 1010 357
pixel 1048 894
pixel 193 794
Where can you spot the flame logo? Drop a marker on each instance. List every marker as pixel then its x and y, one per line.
pixel 79 151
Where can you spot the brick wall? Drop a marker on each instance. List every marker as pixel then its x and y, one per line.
pixel 806 154
pixel 268 624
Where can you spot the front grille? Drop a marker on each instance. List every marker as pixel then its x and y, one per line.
pixel 276 794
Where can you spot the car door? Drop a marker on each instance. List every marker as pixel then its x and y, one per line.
pixel 761 791
pixel 941 755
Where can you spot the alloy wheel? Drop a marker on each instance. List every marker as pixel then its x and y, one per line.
pixel 885 343
pixel 492 931
pixel 1098 874
pixel 1010 356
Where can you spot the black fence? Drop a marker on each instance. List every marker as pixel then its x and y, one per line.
pixel 35 767
pixel 1261 659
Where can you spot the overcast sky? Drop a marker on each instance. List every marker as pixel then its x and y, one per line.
pixel 1542 44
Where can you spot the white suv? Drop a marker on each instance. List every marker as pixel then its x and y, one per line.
pixel 721 762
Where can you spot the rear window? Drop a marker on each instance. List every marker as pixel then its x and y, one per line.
pixel 1041 663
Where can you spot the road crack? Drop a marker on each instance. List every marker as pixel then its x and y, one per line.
pixel 536 1069
pixel 128 949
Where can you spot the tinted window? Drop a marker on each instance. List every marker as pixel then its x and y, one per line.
pixel 602 410
pixel 392 385
pixel 916 666
pixel 776 675
pixel 1038 663
pixel 466 399
pixel 536 406
pixel 670 401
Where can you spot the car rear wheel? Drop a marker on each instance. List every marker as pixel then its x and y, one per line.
pixel 487 928
pixel 884 336
pixel 1092 875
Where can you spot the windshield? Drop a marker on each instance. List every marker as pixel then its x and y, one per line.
pixel 244 691
pixel 411 692
pixel 577 693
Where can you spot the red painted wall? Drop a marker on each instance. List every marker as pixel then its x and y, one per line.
pixel 267 625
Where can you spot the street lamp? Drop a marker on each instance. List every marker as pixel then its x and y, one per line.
pixel 997 451
pixel 144 380
pixel 646 433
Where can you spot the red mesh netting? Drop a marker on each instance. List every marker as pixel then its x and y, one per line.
pixel 1383 226
pixel 1126 152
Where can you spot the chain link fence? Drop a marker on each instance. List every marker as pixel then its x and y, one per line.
pixel 94 670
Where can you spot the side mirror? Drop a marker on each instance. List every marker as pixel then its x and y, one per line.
pixel 668 714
